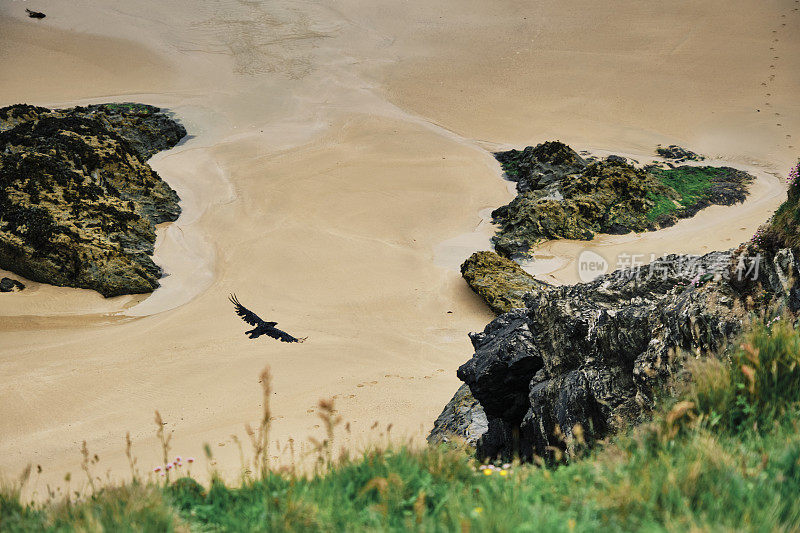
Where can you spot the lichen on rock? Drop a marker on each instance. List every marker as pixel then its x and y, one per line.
pixel 502 283
pixel 561 196
pixel 78 202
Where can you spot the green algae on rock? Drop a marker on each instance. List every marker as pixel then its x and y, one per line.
pixel 78 202
pixel 563 197
pixel 502 283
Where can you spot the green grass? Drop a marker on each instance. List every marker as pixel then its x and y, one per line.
pixel 784 228
pixel 723 456
pixel 689 183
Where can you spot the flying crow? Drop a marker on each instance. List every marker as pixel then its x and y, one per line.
pixel 261 327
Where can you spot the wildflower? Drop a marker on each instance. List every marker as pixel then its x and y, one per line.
pixel 478 510
pixel 178 459
pixel 487 471
pixel 506 466
pixel 504 472
pixel 190 460
pixel 157 469
pixel 169 466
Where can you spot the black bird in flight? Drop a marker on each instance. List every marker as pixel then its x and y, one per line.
pixel 261 327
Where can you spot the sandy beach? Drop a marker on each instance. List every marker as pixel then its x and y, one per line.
pixel 337 166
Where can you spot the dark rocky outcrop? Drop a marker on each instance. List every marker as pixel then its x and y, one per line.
pixel 11 285
pixel 561 196
pixel 78 202
pixel 678 154
pixel 542 166
pixel 582 361
pixel 499 281
pixel 463 419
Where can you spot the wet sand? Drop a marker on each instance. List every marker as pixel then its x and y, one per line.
pixel 333 150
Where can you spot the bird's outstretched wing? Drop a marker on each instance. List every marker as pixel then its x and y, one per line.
pixel 282 336
pixel 246 314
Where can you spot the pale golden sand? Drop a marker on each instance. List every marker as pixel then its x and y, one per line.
pixel 335 148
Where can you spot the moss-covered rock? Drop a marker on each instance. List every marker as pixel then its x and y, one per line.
pixel 499 281
pixel 78 202
pixel 537 167
pixel 563 198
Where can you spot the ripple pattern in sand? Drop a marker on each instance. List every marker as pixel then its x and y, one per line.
pixel 264 37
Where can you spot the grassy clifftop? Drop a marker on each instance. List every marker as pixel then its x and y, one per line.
pixel 724 456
